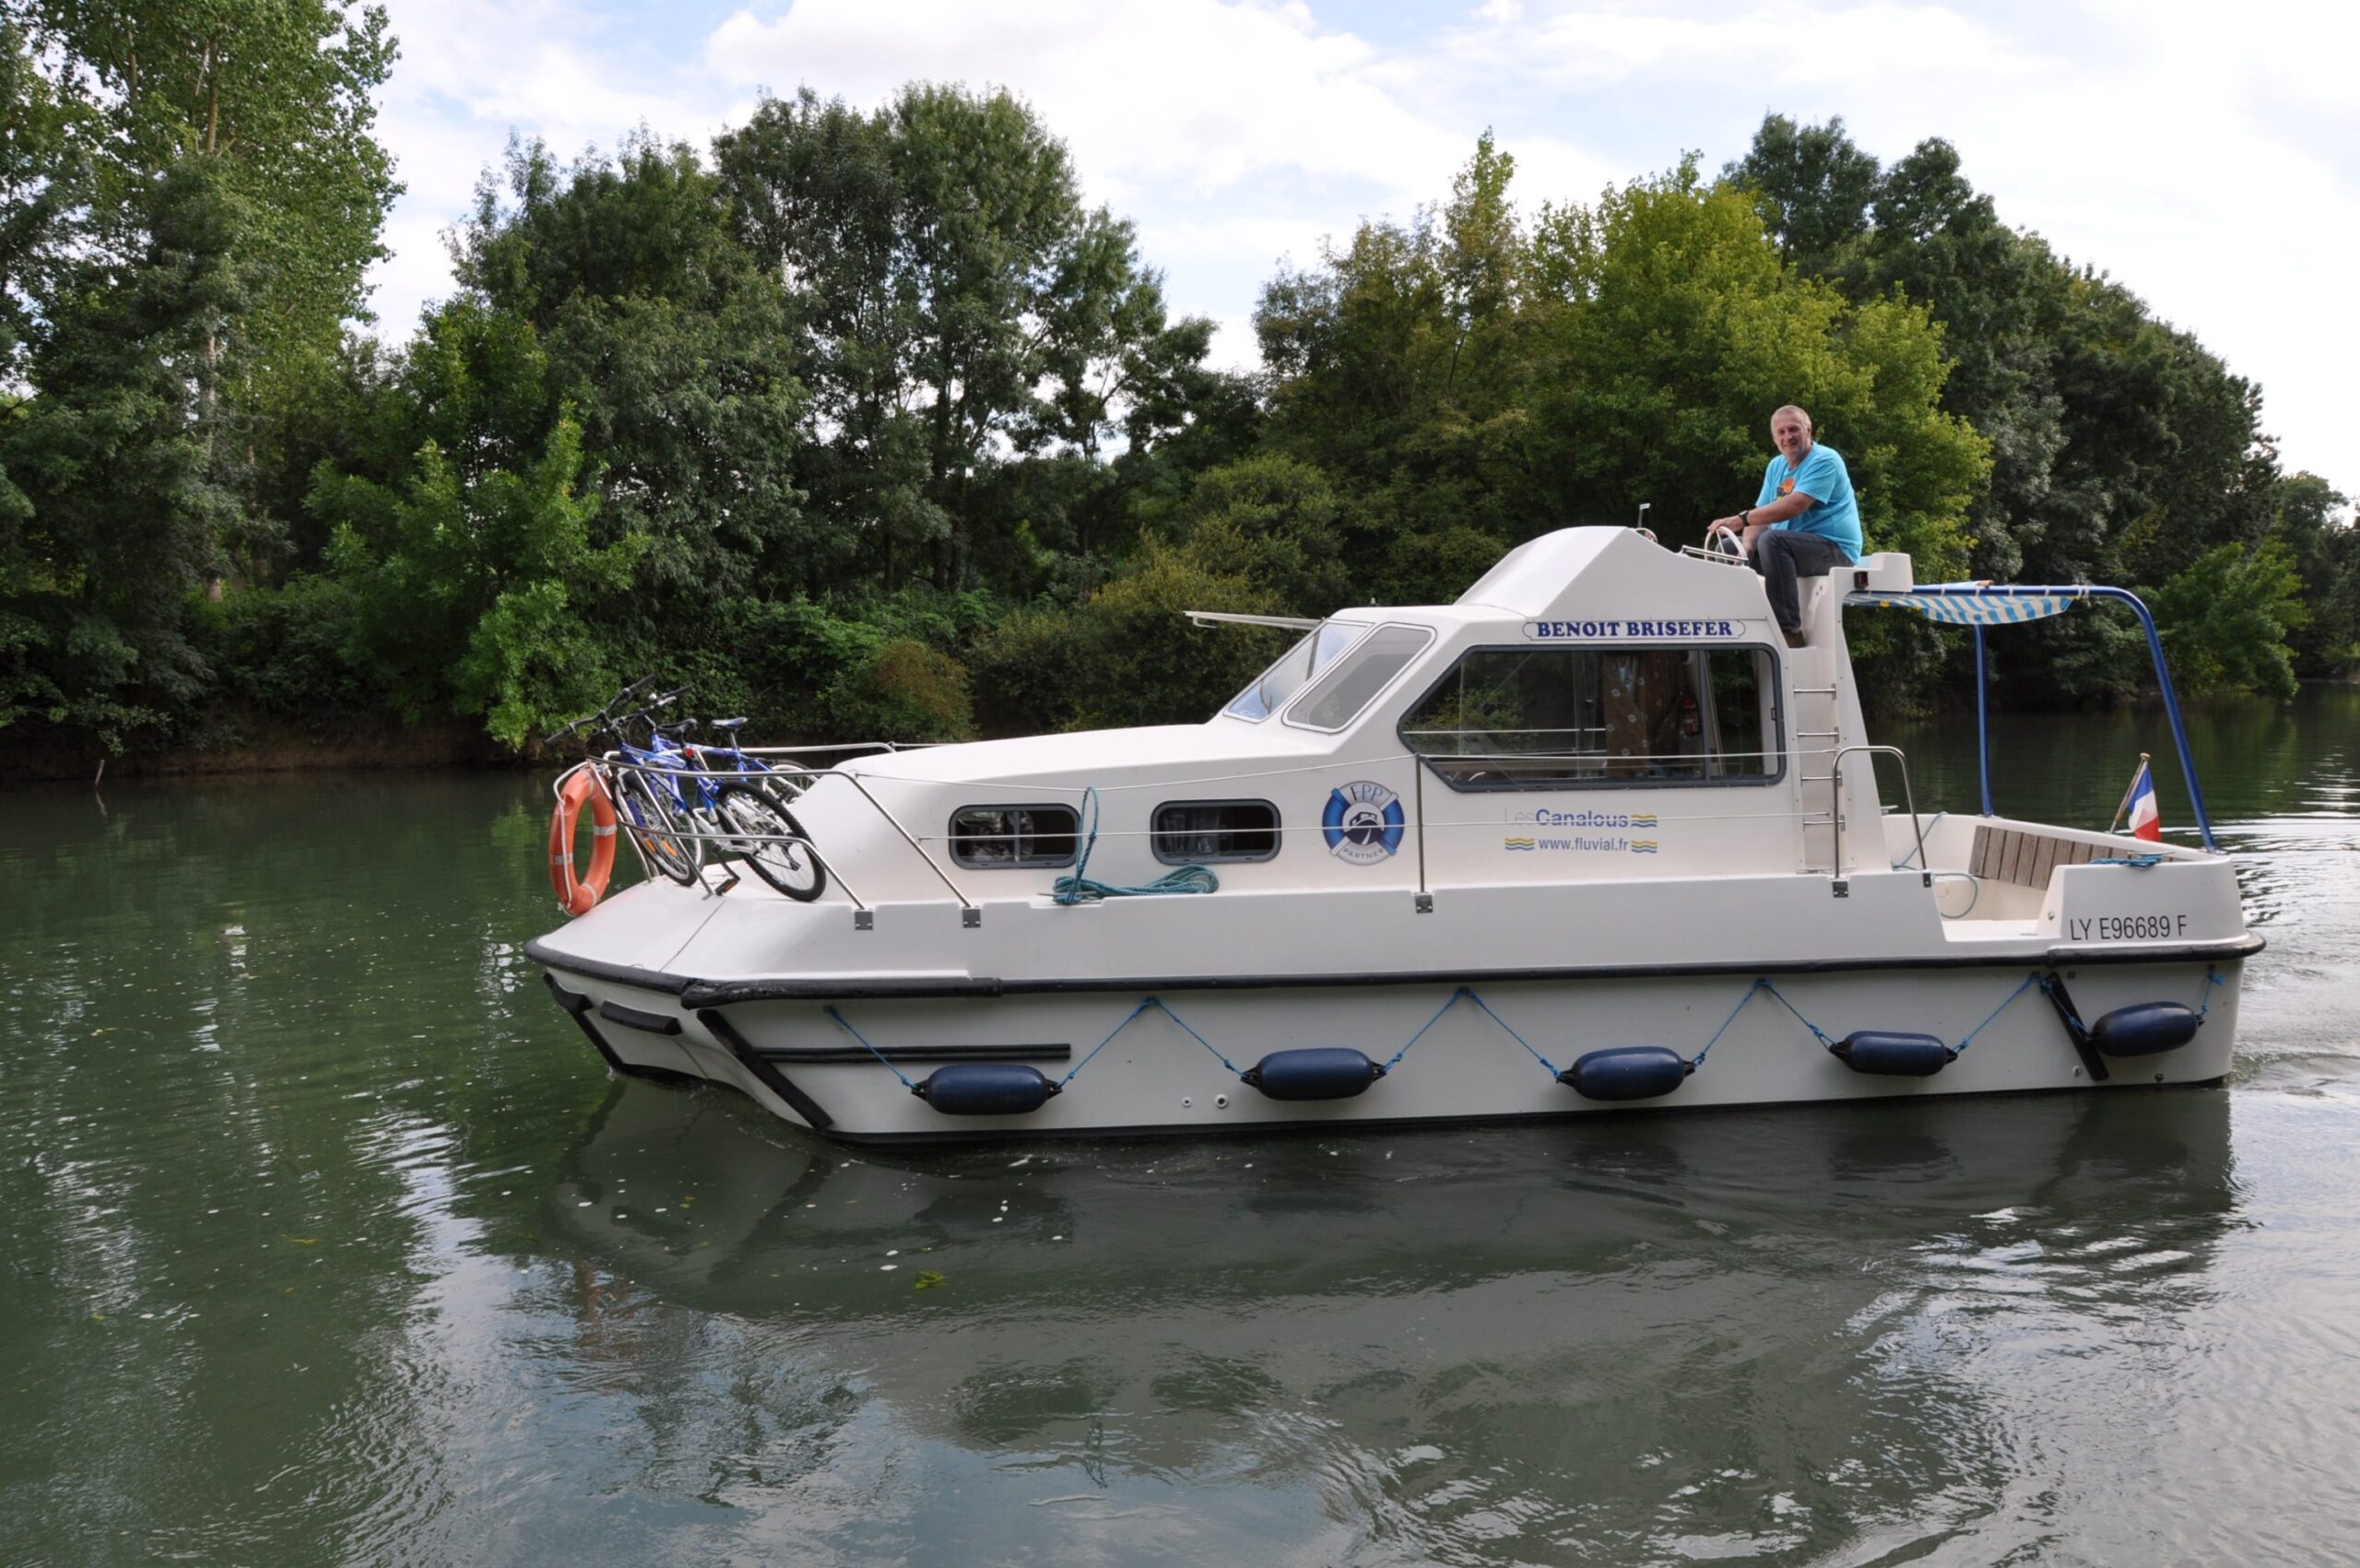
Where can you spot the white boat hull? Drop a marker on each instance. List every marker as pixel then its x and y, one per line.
pixel 838 1052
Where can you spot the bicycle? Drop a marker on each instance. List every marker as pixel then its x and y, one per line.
pixel 747 812
pixel 643 807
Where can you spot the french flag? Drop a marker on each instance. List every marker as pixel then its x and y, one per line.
pixel 2144 822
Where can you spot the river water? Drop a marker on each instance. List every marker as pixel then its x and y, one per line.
pixel 326 1239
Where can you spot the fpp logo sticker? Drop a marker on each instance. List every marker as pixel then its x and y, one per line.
pixel 1363 823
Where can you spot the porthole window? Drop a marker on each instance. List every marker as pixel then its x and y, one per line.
pixel 997 837
pixel 1192 832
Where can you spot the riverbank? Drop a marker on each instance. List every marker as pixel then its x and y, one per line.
pixel 253 747
pixel 249 744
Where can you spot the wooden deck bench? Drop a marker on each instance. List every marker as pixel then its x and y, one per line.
pixel 2010 854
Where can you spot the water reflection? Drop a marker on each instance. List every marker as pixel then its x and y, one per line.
pixel 1654 1337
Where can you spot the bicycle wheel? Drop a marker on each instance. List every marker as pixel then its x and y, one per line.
pixel 792 869
pixel 674 854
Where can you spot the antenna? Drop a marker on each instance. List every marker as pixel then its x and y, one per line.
pixel 1642 523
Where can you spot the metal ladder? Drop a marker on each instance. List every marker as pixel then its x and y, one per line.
pixel 1813 749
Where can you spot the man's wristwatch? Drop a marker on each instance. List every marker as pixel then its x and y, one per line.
pixel 1745 517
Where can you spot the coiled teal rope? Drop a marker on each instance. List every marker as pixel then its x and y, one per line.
pixel 1079 889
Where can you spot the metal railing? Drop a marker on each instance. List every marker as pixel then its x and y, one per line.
pixel 1842 883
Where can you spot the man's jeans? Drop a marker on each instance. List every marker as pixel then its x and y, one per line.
pixel 1781 556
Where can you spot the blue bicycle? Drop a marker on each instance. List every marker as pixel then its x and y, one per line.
pixel 742 801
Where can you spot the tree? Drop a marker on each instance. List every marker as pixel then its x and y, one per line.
pixel 495 565
pixel 279 93
pixel 2122 450
pixel 2225 622
pixel 678 356
pixel 965 311
pixel 1815 188
pixel 2312 522
pixel 108 514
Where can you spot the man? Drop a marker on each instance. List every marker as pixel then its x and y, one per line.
pixel 1803 524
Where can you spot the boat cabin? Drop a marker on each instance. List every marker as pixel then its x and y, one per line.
pixel 1596 707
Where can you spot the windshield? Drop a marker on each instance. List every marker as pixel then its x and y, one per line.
pixel 1352 684
pixel 1271 688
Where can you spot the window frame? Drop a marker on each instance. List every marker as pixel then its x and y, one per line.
pixel 1254 686
pixel 1775 719
pixel 1015 862
pixel 1155 834
pixel 1336 666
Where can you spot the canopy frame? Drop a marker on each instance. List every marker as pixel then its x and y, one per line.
pixel 1926 598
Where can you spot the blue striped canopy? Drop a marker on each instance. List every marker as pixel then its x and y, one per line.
pixel 1971 608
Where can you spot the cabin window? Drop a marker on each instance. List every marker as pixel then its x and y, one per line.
pixel 1356 679
pixel 1612 717
pixel 1318 649
pixel 1191 833
pixel 995 837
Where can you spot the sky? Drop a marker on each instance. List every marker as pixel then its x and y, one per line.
pixel 2206 157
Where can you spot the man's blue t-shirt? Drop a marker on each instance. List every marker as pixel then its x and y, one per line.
pixel 1824 478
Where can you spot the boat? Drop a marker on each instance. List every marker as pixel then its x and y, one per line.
pixel 1589 839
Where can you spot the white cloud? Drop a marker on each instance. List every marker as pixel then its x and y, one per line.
pixel 1191 91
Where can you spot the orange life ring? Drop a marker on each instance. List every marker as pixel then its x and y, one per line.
pixel 582 788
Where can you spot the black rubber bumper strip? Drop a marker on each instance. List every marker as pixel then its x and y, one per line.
pixel 696 994
pixel 769 1077
pixel 577 1008
pixel 699 994
pixel 597 969
pixel 633 1017
pixel 907 1055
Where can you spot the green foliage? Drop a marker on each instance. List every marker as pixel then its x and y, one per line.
pixel 2120 449
pixel 1468 382
pixel 2313 522
pixel 1272 521
pixel 498 564
pixel 886 667
pixel 867 425
pixel 281 650
pixel 278 96
pixel 112 516
pixel 905 691
pixel 965 313
pixel 1128 654
pixel 2224 621
pixel 676 353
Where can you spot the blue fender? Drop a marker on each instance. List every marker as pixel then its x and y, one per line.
pixel 1894 1055
pixel 1325 1072
pixel 2144 1028
pixel 1627 1072
pixel 986 1088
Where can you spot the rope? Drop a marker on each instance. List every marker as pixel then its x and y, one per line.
pixel 1119 1029
pixel 2211 980
pixel 1807 1023
pixel 2020 990
pixel 1759 984
pixel 873 1051
pixel 1903 863
pixel 1167 1012
pixel 1078 888
pixel 2136 862
pixel 2048 988
pixel 1512 1033
pixel 1462 991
